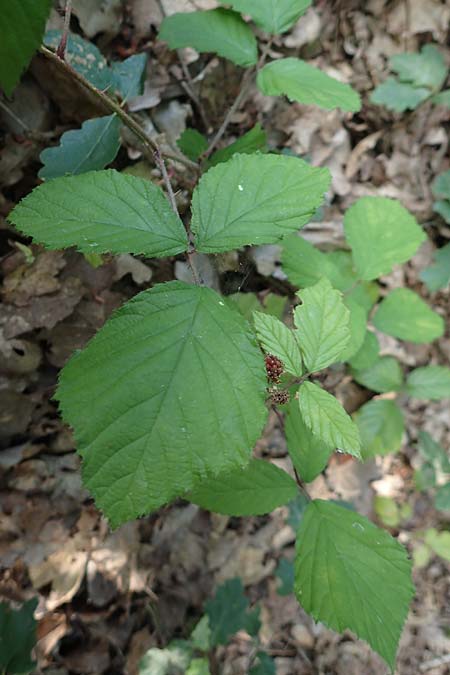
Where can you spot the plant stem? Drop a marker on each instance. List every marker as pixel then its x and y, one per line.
pixel 61 50
pixel 149 144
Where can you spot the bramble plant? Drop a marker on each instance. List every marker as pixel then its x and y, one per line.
pixel 171 395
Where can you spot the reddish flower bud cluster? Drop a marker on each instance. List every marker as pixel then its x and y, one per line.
pixel 274 368
pixel 279 396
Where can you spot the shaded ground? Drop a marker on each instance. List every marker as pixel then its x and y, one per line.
pixel 104 598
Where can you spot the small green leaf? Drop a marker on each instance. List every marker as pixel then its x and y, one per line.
pixel 198 667
pixel 128 75
pixel 17 638
pixel 429 383
pixel 351 574
pixel 285 573
pixel 252 141
pixel 92 147
pixel 433 452
pixel 404 315
pixel 301 82
pixel 273 16
pixel 216 30
pixel 384 375
pixel 277 339
pixel 442 207
pixel 171 389
pixel 398 96
pixel 387 511
pixel 192 144
pixel 297 509
pixel 201 635
pixel 303 264
pixel 442 498
pixel 309 454
pixel 327 419
pixel 381 233
pixel 256 489
pixel 265 665
pixel 228 612
pixel 22 25
pixel 84 57
pixel 366 356
pixel 101 212
pixel 380 423
pixel 357 326
pixel 427 69
pixel 439 542
pixel 441 185
pixel 255 199
pixel 443 98
pixel 437 276
pixel 174 659
pixel 322 322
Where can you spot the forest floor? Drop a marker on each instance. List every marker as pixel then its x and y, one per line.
pixel 106 597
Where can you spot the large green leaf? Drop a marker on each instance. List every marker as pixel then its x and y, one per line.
pixel 216 30
pixel 273 16
pixel 301 82
pixel 170 390
pixel 404 315
pixel 381 426
pixel 228 612
pixel 277 339
pixel 103 211
pixel 322 322
pixel 351 574
pixel 309 453
pixel 255 490
pixel 384 375
pixel 398 96
pixel 17 638
pixel 22 25
pixel 84 57
pixel 327 419
pixel 427 69
pixel 358 327
pixel 438 275
pixel 430 382
pixel 382 233
pixel 92 147
pixel 255 199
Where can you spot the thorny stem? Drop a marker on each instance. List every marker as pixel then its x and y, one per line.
pixel 149 144
pixel 240 99
pixel 61 50
pixel 173 202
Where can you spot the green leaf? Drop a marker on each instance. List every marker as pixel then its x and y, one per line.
pixel 201 635
pixel 387 511
pixel 192 144
pixel 384 375
pixel 228 612
pixel 441 185
pixel 357 326
pixel 216 30
pixel 442 498
pixel 381 233
pixel 439 542
pixel 322 322
pixel 326 418
pixel 277 339
pixel 443 98
pixel 427 69
pixel 92 147
pixel 301 82
pixel 84 57
pixel 397 96
pixel 433 452
pixel 198 667
pixel 429 383
pixel 101 212
pixel 252 141
pixel 285 573
pixel 257 489
pixel 380 423
pixel 128 75
pixel 442 207
pixel 255 199
pixel 351 574
pixel 303 264
pixel 296 509
pixel 309 453
pixel 366 356
pixel 265 665
pixel 404 315
pixel 22 26
pixel 437 276
pixel 174 660
pixel 273 16
pixel 17 638
pixel 170 390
